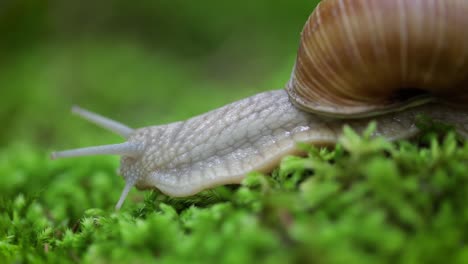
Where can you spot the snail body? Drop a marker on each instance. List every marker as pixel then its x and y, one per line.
pixel 253 134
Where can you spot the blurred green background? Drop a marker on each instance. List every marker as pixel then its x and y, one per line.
pixel 138 62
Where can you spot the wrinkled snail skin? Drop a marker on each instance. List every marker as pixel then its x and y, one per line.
pixel 358 60
pixel 253 134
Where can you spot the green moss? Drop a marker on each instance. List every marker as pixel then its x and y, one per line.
pixel 364 201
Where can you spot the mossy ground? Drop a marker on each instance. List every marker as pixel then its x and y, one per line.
pixel 365 201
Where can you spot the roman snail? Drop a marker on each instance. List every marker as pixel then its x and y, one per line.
pixel 358 60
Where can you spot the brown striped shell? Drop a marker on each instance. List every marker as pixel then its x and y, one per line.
pixel 366 57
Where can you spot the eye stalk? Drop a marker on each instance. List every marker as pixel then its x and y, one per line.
pixel 122 149
pixel 126 149
pixel 103 122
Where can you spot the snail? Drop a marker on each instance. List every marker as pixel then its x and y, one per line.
pixel 358 60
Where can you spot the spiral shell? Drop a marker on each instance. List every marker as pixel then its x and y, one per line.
pixel 366 57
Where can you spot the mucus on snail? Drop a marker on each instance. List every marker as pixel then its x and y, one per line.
pixel 358 60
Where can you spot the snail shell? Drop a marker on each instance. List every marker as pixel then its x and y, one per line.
pixel 366 57
pixel 356 59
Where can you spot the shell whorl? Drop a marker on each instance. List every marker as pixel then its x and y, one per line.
pixel 366 57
